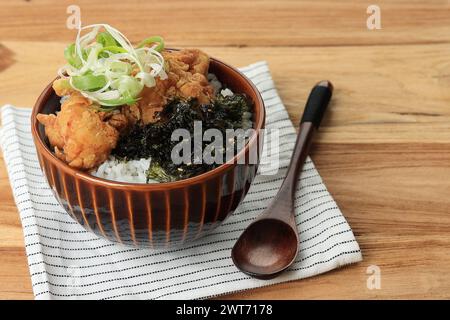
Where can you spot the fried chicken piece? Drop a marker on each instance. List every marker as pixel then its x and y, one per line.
pixel 152 100
pixel 116 119
pixel 78 133
pixel 189 68
pixel 194 60
pixel 186 71
pixel 195 86
pixel 132 113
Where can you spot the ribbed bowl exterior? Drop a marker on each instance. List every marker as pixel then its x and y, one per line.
pixel 157 215
pixel 150 218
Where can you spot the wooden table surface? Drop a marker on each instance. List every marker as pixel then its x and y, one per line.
pixel 383 149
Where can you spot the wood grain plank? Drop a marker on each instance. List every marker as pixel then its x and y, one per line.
pixel 394 196
pixel 14 275
pixel 11 235
pixel 236 22
pixel 383 93
pixel 384 147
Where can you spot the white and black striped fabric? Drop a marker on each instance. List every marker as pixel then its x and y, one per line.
pixel 67 262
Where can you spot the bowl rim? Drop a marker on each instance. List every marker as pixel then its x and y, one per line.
pixel 42 147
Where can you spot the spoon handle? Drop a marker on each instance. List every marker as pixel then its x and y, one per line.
pixel 312 116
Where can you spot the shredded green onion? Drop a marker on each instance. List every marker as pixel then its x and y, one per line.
pixel 112 49
pixel 105 67
pixel 88 82
pixel 106 39
pixel 71 57
pixel 156 39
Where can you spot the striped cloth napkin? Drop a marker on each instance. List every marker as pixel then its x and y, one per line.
pixel 67 262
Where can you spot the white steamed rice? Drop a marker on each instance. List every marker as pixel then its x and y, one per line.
pixel 132 171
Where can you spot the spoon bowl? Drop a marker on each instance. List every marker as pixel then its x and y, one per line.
pixel 270 244
pixel 267 247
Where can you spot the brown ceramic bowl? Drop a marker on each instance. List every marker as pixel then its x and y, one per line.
pixel 153 215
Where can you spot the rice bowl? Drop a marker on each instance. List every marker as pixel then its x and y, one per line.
pixel 152 214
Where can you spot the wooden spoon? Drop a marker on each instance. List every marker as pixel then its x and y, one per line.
pixel 270 244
